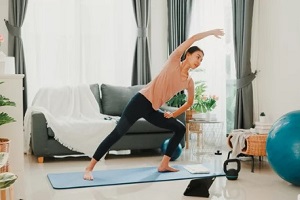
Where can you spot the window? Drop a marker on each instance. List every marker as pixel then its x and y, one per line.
pixel 218 67
pixel 69 42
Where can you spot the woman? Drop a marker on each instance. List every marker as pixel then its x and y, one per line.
pixel 173 78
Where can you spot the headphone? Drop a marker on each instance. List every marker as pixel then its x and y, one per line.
pixel 232 174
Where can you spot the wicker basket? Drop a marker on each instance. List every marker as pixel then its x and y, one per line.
pixel 255 145
pixel 4 147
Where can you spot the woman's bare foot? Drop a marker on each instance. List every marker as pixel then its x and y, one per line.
pixel 167 169
pixel 88 170
pixel 88 175
pixel 164 165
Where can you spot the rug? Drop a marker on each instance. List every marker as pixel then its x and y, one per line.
pixel 122 176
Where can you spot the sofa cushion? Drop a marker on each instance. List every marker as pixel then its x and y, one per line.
pixel 142 126
pixel 96 92
pixel 115 98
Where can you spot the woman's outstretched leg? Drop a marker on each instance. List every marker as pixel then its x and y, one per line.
pixel 135 109
pixel 120 130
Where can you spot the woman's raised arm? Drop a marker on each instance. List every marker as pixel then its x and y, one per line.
pixel 199 36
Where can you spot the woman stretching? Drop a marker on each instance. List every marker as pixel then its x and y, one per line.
pixel 173 78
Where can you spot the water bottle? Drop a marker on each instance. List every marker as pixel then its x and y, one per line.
pixel 218 164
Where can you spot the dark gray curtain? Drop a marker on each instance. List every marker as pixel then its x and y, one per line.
pixel 179 15
pixel 17 10
pixel 242 24
pixel 141 64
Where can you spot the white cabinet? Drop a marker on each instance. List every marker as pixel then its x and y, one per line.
pixel 12 88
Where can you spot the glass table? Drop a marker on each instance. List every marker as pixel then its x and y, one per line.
pixel 205 136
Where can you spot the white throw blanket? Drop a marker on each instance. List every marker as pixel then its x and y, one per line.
pixel 72 112
pixel 238 139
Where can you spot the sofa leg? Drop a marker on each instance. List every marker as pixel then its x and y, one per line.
pixel 40 159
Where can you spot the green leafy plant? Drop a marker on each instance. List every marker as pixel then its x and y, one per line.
pixel 4 117
pixel 203 103
pixel 6 178
pixel 262 114
pixel 198 106
pixel 177 100
pixel 180 98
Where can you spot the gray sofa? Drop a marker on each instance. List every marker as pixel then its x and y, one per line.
pixel 111 100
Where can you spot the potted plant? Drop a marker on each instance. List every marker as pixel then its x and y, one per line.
pixel 178 100
pixel 6 178
pixel 198 108
pixel 198 105
pixel 4 117
pixel 204 104
pixel 262 117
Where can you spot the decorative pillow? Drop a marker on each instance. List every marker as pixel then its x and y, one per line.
pixel 96 92
pixel 115 98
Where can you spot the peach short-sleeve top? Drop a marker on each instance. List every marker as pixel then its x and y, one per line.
pixel 168 83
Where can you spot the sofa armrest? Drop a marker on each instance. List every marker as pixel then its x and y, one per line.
pixel 181 117
pixel 39 134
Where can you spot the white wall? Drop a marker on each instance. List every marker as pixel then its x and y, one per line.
pixel 3 30
pixel 276 53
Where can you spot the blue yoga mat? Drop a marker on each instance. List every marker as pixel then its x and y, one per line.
pixel 121 176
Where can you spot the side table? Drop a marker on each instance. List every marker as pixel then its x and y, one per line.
pixel 209 134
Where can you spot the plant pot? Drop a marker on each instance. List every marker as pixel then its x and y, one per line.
pixel 262 119
pixel 199 116
pixel 188 115
pixel 4 147
pixel 210 116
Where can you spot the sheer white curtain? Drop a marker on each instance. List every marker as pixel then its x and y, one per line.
pixel 69 42
pixel 218 63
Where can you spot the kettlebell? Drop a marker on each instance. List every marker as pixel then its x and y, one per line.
pixel 232 174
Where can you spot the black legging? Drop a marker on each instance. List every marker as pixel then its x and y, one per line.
pixel 140 107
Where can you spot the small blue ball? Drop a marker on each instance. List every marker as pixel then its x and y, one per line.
pixel 175 154
pixel 283 147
